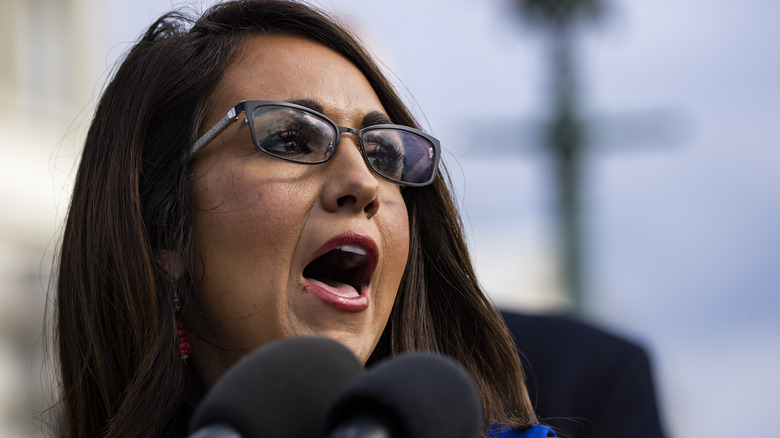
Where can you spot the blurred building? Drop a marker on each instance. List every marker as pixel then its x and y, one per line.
pixel 45 88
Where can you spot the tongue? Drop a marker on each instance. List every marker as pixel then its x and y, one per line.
pixel 341 289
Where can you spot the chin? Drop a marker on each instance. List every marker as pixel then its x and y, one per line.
pixel 361 350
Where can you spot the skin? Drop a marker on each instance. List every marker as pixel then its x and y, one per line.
pixel 259 220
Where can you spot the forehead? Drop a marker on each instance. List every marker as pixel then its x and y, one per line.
pixel 286 67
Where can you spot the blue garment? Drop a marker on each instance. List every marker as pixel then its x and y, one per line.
pixel 537 431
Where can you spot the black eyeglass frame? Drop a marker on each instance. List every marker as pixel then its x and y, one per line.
pixel 247 106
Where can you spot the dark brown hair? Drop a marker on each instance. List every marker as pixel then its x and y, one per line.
pixel 121 374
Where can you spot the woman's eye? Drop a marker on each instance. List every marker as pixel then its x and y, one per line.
pixel 289 142
pixel 385 156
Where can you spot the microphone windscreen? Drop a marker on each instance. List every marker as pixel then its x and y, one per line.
pixel 417 395
pixel 281 389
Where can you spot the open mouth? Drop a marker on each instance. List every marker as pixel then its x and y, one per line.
pixel 343 269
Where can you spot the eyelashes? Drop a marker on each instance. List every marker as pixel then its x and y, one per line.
pixel 384 155
pixel 292 140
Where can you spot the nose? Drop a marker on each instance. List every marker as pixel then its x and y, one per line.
pixel 350 184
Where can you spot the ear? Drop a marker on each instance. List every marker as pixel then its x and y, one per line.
pixel 170 262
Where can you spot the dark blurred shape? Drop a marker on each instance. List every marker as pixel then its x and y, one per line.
pixel 281 390
pixel 584 381
pixel 565 130
pixel 412 395
pixel 628 132
pixel 560 13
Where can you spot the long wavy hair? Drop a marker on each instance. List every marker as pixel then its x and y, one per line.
pixel 116 304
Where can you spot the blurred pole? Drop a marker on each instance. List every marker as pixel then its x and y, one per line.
pixel 565 133
pixel 564 138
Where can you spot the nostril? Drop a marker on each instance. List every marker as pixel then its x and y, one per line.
pixel 346 200
pixel 371 207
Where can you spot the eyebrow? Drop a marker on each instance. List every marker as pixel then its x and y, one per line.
pixel 308 103
pixel 376 118
pixel 370 119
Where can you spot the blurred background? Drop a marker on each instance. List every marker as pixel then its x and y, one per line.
pixel 620 161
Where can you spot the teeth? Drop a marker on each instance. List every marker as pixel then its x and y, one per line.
pixel 353 249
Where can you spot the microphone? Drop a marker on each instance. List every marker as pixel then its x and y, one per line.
pixel 279 390
pixel 417 395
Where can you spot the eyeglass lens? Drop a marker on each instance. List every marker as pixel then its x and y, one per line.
pixel 296 135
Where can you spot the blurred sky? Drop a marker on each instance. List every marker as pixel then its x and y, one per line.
pixel 681 210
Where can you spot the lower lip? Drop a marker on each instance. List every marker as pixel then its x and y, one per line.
pixel 338 302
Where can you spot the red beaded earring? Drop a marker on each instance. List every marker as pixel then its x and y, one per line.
pixel 184 342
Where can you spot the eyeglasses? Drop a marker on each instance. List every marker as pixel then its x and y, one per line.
pixel 299 134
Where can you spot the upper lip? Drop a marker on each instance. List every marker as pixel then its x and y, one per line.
pixel 348 241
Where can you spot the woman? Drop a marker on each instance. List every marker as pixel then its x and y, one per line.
pixel 199 235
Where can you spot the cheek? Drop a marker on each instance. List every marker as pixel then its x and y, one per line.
pixel 244 196
pixel 246 228
pixel 394 227
pixel 251 200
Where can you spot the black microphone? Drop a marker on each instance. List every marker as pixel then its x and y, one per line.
pixel 418 395
pixel 279 390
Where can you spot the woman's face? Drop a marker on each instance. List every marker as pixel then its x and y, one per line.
pixel 268 230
